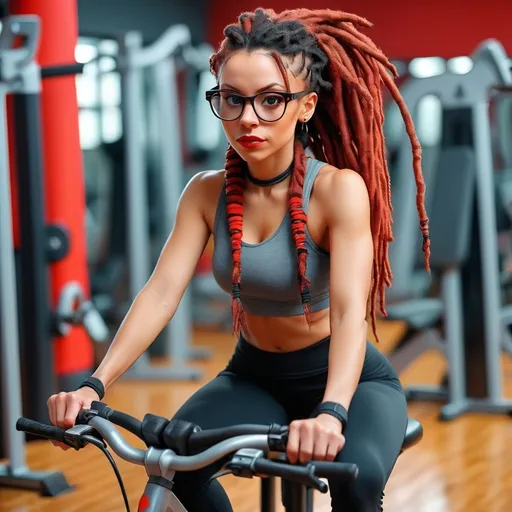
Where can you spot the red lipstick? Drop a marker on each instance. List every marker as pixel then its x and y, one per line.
pixel 250 141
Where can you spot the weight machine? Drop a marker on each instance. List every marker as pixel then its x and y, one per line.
pixel 470 303
pixel 133 61
pixel 20 75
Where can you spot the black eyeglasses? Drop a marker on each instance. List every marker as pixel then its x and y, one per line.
pixel 269 106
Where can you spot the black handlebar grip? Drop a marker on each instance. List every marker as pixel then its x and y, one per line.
pixel 300 474
pixel 127 422
pixel 199 441
pixel 41 430
pixel 338 470
pixel 121 419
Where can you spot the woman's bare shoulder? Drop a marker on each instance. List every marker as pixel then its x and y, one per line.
pixel 208 186
pixel 340 192
pixel 207 183
pixel 331 178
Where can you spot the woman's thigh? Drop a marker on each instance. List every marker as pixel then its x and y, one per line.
pixel 373 440
pixel 226 400
pixel 229 400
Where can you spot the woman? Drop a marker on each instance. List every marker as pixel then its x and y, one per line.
pixel 300 243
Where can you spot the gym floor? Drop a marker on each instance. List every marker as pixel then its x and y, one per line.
pixel 459 466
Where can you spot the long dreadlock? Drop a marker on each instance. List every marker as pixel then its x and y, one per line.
pixel 346 130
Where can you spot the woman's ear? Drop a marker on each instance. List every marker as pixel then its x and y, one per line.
pixel 309 106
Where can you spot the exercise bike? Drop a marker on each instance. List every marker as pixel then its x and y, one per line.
pixel 174 445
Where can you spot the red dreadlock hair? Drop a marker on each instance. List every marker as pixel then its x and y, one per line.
pixel 346 130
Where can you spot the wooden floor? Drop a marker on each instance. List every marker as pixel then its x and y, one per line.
pixel 461 466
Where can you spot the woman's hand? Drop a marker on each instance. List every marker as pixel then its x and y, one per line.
pixel 317 438
pixel 63 408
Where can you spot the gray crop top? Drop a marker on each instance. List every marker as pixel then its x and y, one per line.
pixel 269 284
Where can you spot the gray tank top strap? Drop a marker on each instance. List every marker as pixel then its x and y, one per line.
pixel 273 292
pixel 313 166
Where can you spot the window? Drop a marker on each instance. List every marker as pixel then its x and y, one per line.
pixel 460 65
pixel 427 66
pixel 429 120
pixel 98 93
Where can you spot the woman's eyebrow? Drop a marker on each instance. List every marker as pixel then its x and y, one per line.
pixel 273 84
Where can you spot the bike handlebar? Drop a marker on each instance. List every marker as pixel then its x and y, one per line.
pixel 172 461
pixel 301 474
pixel 221 442
pixel 197 441
pixel 204 438
pixel 121 419
pixel 41 430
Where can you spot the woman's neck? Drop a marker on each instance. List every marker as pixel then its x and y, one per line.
pixel 272 166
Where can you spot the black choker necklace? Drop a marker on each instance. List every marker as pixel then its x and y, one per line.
pixel 271 181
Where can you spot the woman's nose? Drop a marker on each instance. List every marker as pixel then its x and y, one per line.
pixel 249 117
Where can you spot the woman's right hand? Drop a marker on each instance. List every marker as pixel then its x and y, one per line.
pixel 63 408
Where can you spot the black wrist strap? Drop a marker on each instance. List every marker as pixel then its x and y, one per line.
pixel 94 383
pixel 334 409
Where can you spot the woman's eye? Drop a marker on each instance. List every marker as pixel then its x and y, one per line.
pixel 272 100
pixel 233 100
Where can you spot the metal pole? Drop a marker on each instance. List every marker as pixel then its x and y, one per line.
pixel 179 332
pixel 18 72
pixel 134 60
pixel 454 335
pixel 170 173
pixel 9 336
pixel 37 348
pixel 489 249
pixel 137 224
pixel 136 189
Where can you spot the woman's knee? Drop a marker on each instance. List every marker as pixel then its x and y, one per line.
pixel 364 493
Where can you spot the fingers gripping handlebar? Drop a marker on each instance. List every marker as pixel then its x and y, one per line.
pixel 191 448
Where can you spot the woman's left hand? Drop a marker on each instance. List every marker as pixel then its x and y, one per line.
pixel 317 438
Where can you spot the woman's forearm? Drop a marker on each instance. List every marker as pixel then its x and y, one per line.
pixel 346 357
pixel 148 315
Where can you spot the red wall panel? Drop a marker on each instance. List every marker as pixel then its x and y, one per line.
pixel 403 29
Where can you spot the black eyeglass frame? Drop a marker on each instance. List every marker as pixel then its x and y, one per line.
pixel 288 96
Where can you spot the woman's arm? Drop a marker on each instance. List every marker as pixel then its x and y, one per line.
pixel 345 202
pixel 347 207
pixel 157 302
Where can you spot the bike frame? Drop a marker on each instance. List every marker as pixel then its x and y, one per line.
pixel 158 496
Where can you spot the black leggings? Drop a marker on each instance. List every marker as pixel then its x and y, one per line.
pixel 266 387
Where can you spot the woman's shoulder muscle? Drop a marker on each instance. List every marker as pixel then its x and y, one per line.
pixel 337 195
pixel 207 186
pixel 333 184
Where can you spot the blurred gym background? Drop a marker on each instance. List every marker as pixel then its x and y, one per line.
pixel 111 123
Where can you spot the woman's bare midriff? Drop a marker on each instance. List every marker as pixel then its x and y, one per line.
pixel 286 333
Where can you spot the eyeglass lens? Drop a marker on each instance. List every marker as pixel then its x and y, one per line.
pixel 269 106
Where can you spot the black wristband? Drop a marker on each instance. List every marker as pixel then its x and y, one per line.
pixel 334 409
pixel 94 383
